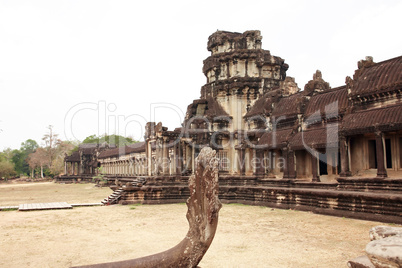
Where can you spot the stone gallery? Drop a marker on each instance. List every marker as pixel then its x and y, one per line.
pixel 335 151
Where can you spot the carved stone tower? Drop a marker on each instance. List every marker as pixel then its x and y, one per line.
pixel 239 72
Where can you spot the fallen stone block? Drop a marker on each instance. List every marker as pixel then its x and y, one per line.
pixel 361 262
pixel 386 252
pixel 381 231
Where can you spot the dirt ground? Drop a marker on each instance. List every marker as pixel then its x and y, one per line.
pixel 13 194
pixel 247 236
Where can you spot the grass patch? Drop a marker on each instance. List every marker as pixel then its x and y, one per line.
pixel 238 204
pixel 134 206
pixel 9 209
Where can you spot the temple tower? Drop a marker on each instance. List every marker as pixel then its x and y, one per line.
pixel 239 72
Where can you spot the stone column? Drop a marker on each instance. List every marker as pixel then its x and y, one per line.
pixel 344 150
pixel 192 149
pixel 73 167
pixel 379 142
pixel 314 166
pixel 65 168
pixel 165 157
pixel 242 159
pixel 291 164
pixel 259 161
pixel 149 158
pixel 286 163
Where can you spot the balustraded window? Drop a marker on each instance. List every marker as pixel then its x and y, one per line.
pixel 223 160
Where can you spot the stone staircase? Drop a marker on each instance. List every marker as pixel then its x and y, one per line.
pixel 116 195
pixel 113 198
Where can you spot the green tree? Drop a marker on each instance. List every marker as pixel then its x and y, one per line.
pixel 116 140
pixel 18 160
pixel 19 157
pixel 6 155
pixel 63 148
pixel 7 170
pixel 29 146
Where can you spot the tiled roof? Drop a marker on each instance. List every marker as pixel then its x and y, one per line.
pixel 74 157
pixel 382 76
pixel 325 102
pixel 132 148
pixel 88 148
pixel 289 106
pixel 212 110
pixel 264 105
pixel 322 137
pixel 384 119
pixel 275 139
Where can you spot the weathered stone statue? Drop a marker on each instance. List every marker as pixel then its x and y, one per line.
pixel 202 215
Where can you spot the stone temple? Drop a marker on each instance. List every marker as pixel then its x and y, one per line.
pixel 335 151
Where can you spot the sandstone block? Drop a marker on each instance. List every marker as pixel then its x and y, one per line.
pixel 360 262
pixel 386 252
pixel 380 232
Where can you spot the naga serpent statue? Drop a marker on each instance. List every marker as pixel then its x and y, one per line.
pixel 202 215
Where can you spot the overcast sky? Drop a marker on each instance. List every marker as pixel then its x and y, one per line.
pixel 90 67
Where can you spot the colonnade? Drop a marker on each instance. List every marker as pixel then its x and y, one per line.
pixel 72 168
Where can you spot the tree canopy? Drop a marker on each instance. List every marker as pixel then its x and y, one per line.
pixel 110 139
pixel 19 156
pixel 48 159
pixel 7 170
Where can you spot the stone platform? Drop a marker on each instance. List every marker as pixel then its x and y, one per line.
pixel 366 199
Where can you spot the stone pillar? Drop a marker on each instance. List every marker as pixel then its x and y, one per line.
pixel 180 158
pixel 286 163
pixel 314 166
pixel 379 142
pixel 73 167
pixel 291 164
pixel 242 160
pixel 192 148
pixel 260 171
pixel 65 168
pixel 128 167
pixel 149 158
pixel 344 150
pixel 165 157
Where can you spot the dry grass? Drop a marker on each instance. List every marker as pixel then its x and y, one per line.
pixel 247 236
pixel 14 194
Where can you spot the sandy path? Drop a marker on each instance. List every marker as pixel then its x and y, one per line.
pixel 247 236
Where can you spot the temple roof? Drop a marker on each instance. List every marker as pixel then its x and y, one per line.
pixel 211 110
pixel 275 139
pixel 384 119
pixel 376 77
pixel 74 157
pixel 264 105
pixel 128 149
pixel 289 106
pixel 320 137
pixel 327 100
